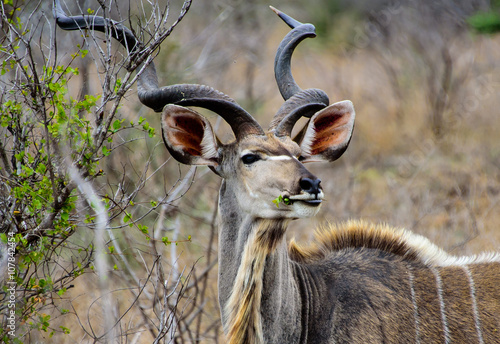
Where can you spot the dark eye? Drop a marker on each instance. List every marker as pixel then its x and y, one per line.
pixel 250 158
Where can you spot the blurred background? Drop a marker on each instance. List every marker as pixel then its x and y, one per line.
pixel 424 77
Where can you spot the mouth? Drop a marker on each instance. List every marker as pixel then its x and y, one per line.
pixel 313 200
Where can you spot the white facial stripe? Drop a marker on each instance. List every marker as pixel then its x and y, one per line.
pixel 250 191
pixel 279 157
pixel 269 157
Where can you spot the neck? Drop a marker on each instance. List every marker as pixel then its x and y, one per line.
pixel 255 277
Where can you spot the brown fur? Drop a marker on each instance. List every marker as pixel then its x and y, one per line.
pixel 445 290
pixel 400 242
pixel 455 299
pixel 353 234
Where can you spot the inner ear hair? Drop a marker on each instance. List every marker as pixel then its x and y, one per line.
pixel 328 133
pixel 188 136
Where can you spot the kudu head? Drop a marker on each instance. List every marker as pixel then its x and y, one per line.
pixel 260 166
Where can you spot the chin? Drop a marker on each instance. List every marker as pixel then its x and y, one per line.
pixel 303 210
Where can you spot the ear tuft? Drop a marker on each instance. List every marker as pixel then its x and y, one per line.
pixel 328 132
pixel 189 136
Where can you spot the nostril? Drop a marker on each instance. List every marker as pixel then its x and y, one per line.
pixel 310 185
pixel 305 184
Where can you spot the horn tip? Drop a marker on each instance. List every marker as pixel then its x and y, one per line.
pixel 292 23
pixel 275 10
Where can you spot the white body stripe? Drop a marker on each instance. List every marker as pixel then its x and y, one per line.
pixel 415 306
pixel 439 286
pixel 477 319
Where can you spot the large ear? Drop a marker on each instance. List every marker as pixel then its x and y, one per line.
pixel 189 136
pixel 328 133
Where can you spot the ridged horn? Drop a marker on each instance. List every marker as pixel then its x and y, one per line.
pixel 282 62
pixel 309 96
pixel 285 127
pixel 149 92
pixel 295 97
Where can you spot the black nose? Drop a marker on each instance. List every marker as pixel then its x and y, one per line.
pixel 310 185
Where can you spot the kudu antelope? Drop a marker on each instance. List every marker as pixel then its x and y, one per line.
pixel 359 282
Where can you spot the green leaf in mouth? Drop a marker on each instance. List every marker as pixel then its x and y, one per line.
pixel 281 199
